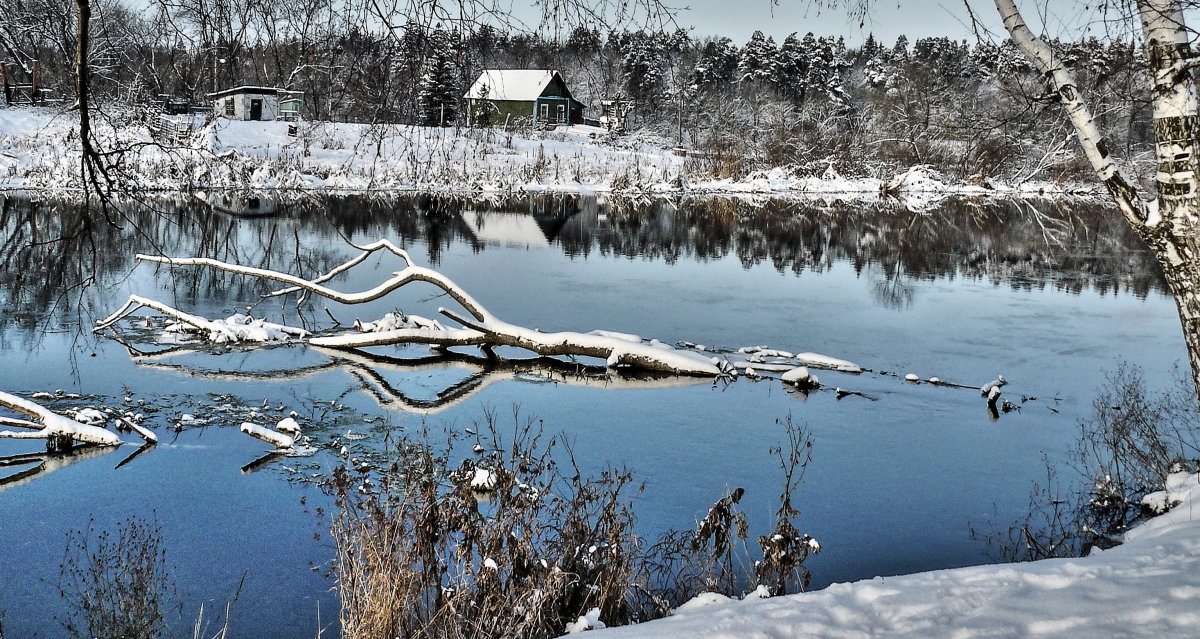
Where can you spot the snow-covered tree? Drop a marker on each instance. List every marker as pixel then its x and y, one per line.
pixel 793 65
pixel 717 66
pixel 757 61
pixel 642 73
pixel 441 82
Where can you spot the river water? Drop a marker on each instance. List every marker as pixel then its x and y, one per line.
pixel 1051 295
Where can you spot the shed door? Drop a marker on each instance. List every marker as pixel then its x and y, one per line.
pixel 256 109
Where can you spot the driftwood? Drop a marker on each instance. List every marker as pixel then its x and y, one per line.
pixel 52 426
pixel 237 328
pixel 478 326
pixel 275 438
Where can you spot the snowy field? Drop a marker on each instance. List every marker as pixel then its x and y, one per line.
pixel 39 149
pixel 1147 587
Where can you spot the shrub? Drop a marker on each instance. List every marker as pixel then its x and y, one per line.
pixel 514 542
pixel 116 586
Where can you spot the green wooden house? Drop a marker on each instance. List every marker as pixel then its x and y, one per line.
pixel 501 96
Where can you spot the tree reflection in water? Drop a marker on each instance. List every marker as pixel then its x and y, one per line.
pixel 56 266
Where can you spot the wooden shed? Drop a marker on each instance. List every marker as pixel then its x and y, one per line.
pixel 499 95
pixel 247 103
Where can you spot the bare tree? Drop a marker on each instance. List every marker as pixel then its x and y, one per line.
pixel 1166 214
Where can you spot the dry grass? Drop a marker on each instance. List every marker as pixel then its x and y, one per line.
pixel 516 542
pixel 423 553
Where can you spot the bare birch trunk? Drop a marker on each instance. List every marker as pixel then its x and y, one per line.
pixel 1169 222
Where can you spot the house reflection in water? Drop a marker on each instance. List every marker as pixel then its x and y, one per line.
pixel 535 222
pixel 242 204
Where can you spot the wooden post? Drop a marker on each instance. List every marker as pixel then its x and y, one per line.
pixel 33 91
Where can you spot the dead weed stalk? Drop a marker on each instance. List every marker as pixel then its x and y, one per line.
pixel 516 541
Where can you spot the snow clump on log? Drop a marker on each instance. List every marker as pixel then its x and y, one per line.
pixel 801 378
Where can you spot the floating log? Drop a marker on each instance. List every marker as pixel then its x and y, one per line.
pixel 275 438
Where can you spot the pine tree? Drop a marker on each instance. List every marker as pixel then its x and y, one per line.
pixel 757 62
pixel 792 72
pixel 641 71
pixel 870 48
pixel 717 66
pixel 441 82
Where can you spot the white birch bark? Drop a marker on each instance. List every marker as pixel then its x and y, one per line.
pixel 1091 140
pixel 1170 223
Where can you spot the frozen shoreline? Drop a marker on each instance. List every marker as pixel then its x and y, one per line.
pixel 359 158
pixel 1149 586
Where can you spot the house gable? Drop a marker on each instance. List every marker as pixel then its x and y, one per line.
pixel 523 93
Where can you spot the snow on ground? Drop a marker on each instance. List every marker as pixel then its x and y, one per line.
pixel 1147 587
pixel 39 149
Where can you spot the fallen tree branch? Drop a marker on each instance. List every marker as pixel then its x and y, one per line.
pixel 481 329
pixel 400 278
pixel 235 328
pixel 55 425
pixel 275 438
pixel 366 251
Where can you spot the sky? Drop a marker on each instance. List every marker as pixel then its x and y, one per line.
pixel 738 19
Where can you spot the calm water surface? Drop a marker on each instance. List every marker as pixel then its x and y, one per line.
pixel 1049 295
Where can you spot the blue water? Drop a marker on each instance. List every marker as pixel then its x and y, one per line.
pixel 898 478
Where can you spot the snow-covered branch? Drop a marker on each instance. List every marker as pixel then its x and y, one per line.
pixel 399 279
pixel 53 424
pixel 366 251
pixel 235 328
pixel 480 329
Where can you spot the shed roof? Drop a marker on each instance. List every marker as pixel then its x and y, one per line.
pixel 523 85
pixel 248 89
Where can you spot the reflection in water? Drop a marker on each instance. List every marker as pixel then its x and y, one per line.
pixel 919 460
pixel 31 466
pixel 50 249
pixel 375 373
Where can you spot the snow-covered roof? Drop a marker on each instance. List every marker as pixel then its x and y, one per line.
pixel 524 85
pixel 248 89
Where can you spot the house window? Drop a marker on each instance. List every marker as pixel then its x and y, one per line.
pixel 562 113
pixel 229 106
pixel 545 112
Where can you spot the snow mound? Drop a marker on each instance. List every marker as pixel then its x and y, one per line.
pixel 590 621
pixel 1147 587
pixel 801 378
pixel 395 321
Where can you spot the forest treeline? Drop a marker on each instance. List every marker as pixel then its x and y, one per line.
pixel 973 111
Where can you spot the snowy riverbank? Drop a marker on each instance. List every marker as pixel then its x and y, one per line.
pixel 39 149
pixel 1147 587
